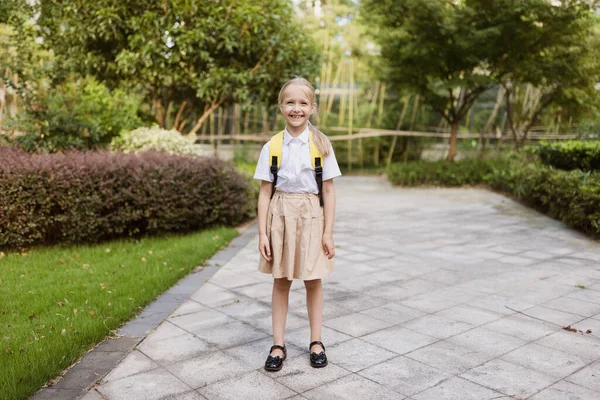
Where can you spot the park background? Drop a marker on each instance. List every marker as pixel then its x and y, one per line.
pixel 129 132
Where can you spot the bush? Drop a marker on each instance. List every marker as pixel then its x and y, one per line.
pixel 571 155
pixel 444 173
pixel 573 197
pixel 81 114
pixel 92 196
pixel 156 139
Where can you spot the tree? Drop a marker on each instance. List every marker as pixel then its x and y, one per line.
pixel 431 49
pixel 185 55
pixel 450 52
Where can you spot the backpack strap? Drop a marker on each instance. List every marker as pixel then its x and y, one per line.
pixel 275 150
pixel 317 162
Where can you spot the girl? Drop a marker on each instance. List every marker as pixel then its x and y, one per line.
pixel 295 231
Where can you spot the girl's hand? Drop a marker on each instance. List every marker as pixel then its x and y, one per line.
pixel 328 246
pixel 264 247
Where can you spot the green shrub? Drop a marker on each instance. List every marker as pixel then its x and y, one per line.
pixel 155 139
pixel 88 197
pixel 573 197
pixel 571 155
pixel 443 173
pixel 247 169
pixel 81 115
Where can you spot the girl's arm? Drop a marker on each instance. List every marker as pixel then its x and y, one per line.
pixel 329 212
pixel 264 198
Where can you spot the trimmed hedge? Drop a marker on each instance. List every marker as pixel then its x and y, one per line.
pixel 85 197
pixel 444 173
pixel 571 155
pixel 573 197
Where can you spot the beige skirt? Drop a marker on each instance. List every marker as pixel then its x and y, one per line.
pixel 295 231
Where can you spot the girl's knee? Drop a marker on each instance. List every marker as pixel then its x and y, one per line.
pixel 282 284
pixel 312 284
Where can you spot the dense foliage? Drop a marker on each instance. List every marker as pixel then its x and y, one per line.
pixel 187 57
pixel 81 114
pixel 155 139
pixel 87 197
pixel 570 155
pixel 452 52
pixel 444 173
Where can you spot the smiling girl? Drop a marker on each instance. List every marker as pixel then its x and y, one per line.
pixel 296 207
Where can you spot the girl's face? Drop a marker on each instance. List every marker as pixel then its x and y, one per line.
pixel 296 107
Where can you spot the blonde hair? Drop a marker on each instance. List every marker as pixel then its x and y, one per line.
pixel 321 141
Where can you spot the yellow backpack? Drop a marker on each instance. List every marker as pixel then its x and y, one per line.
pixel 276 148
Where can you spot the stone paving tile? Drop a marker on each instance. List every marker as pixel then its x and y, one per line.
pixel 250 386
pixel 301 337
pixel 437 326
pixel 356 324
pixel 590 324
pixel 185 396
pixel 359 302
pixel 404 375
pixel 352 387
pixel 168 351
pixel 202 320
pixel 356 354
pixel 521 327
pixel 566 391
pixel 298 375
pixel 449 357
pixel 92 395
pixel 457 388
pixel 470 315
pixel 393 313
pixel 188 307
pixel 512 379
pixel 591 296
pixel 500 304
pixel 486 341
pixel 399 340
pixel 545 360
pixel 552 316
pixel 134 363
pixel 230 335
pixel 430 302
pixel 213 296
pixel 151 385
pixel 208 368
pixel 587 377
pixel 574 306
pixel 585 347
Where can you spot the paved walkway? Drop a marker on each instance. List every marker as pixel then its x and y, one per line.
pixel 438 294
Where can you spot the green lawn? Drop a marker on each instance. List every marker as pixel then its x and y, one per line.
pixel 55 303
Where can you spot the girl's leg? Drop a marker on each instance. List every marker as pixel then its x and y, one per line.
pixel 279 307
pixel 314 305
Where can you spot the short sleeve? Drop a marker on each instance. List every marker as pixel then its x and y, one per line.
pixel 263 170
pixel 331 169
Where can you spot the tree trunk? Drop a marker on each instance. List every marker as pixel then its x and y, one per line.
pixel 181 107
pixel 207 112
pixel 453 136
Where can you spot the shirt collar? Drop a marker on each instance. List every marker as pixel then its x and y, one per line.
pixel 303 136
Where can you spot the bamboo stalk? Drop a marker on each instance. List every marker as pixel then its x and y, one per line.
pixel 398 125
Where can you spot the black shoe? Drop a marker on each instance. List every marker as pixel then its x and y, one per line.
pixel 317 360
pixel 275 363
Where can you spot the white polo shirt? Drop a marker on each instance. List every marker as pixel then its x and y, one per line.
pixel 296 173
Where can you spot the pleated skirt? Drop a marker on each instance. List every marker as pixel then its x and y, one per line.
pixel 295 230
